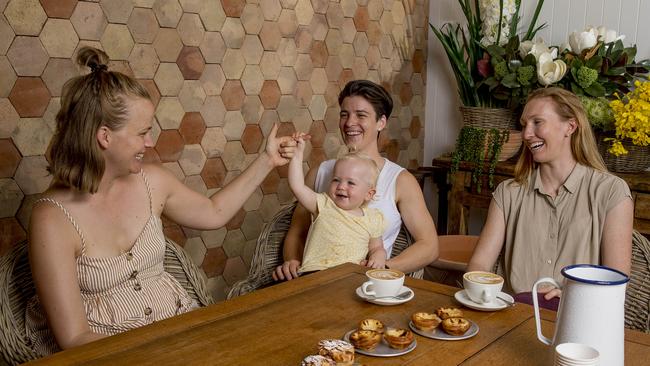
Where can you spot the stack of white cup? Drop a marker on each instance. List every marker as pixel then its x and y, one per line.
pixel 576 354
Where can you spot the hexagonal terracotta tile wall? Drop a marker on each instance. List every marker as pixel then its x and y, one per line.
pixel 221 73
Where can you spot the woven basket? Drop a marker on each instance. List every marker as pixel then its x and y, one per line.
pixel 511 147
pixel 636 160
pixel 499 118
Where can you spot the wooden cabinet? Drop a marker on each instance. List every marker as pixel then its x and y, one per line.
pixel 457 194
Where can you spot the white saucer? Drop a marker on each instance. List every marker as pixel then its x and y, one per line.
pixel 382 349
pixel 497 304
pixel 386 301
pixel 440 334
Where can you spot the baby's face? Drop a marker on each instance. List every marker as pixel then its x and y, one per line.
pixel 349 187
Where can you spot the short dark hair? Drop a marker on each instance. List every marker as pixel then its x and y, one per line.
pixel 375 94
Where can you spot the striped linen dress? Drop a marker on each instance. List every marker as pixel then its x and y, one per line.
pixel 119 293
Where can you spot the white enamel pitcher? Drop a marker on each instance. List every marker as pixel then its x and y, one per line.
pixel 591 310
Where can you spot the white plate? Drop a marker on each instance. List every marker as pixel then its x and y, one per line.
pixel 382 349
pixel 386 301
pixel 438 333
pixel 497 304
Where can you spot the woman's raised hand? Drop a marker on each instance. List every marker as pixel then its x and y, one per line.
pixel 280 149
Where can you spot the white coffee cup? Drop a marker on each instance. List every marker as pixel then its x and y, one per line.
pixel 383 282
pixel 573 354
pixel 482 287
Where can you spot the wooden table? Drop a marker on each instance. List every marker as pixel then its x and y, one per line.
pixel 282 324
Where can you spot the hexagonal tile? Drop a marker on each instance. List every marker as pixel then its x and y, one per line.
pixel 233 63
pixel 192 95
pixel 191 6
pixel 303 67
pixel 212 15
pixel 143 25
pixel 304 12
pixel 319 27
pixel 29 96
pixel 318 54
pixel 213 143
pixel 287 108
pixel 252 50
pixel 233 33
pixel 10 233
pixel 169 79
pixel 302 122
pixel 285 196
pixel 303 39
pixel 320 6
pixel 386 46
pixel 270 183
pixel 213 47
pixel 251 139
pixel 252 79
pixel 334 42
pixel 252 18
pixel 331 119
pixel 175 233
pixel 233 95
pixel 233 156
pixel 318 81
pixel 333 68
pixel 58 8
pixel 117 11
pixel 269 206
pixel 270 94
pixel 151 87
pixel 317 107
pixel 375 8
pixel 406 93
pixel 316 156
pixel 415 127
pixel 332 95
pixel 288 4
pixel 252 226
pixel 386 22
pixel 398 12
pixel 288 52
pixel 144 61
pixel 232 243
pixel 348 30
pixel 25 16
pixel 213 173
pixel 288 23
pixel 268 120
pixel 192 159
pixel 303 93
pixel 373 57
pixel 252 109
pixel 168 44
pixel 270 36
pixel 28 56
pixel 57 72
pixel 287 80
pixel 233 125
pixel 89 20
pixel 168 12
pixel 271 10
pixel 334 15
pixel 212 79
pixel 317 132
pixel 6 36
pixel 32 176
pixel 169 113
pixel 32 136
pixel 169 145
pixel 346 55
pixel 191 29
pixel 348 7
pixel 374 33
pixel 10 197
pixel 192 128
pixel 8 118
pixel 360 68
pixel 213 111
pixel 196 250
pixel 233 8
pixel 117 41
pixel 9 158
pixel 25 210
pixel 361 18
pixel 270 65
pixel 253 203
pixel 190 62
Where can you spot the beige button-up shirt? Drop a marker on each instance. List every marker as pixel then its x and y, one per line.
pixel 545 234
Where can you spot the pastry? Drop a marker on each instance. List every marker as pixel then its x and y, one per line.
pixel 398 338
pixel 446 313
pixel 455 326
pixel 365 339
pixel 425 321
pixel 371 324
pixel 317 360
pixel 340 351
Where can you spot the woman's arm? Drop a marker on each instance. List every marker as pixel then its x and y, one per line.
pixel 53 247
pixel 419 223
pixel 489 242
pixel 294 241
pixel 189 208
pixel 616 242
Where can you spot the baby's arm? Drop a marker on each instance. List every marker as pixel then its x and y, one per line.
pixel 305 195
pixel 376 253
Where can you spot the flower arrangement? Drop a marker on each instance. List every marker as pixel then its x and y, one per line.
pixel 632 116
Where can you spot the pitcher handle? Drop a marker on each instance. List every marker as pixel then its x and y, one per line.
pixel 538 322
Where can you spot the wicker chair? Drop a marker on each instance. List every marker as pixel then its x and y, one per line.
pixel 637 299
pixel 16 288
pixel 268 253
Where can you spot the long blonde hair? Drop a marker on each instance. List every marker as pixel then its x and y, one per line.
pixel 89 102
pixel 583 144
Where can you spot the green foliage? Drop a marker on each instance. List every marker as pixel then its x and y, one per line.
pixel 599 113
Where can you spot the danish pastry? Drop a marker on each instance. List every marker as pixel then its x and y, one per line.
pixel 446 313
pixel 425 321
pixel 455 326
pixel 365 339
pixel 371 324
pixel 398 338
pixel 317 360
pixel 340 351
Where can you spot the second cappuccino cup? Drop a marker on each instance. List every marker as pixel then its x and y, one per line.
pixel 482 287
pixel 383 282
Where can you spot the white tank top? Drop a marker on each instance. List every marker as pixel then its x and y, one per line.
pixel 384 198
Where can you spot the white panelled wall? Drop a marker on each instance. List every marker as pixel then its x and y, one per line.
pixel 443 121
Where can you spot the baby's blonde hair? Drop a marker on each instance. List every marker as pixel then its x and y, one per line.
pixel 365 159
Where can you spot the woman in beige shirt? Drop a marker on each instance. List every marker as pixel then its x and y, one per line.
pixel 562 207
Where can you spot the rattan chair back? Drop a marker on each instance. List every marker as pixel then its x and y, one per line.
pixel 268 253
pixel 637 296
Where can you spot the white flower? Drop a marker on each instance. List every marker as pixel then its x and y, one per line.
pixel 490 19
pixel 536 48
pixel 549 71
pixel 583 40
pixel 608 35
